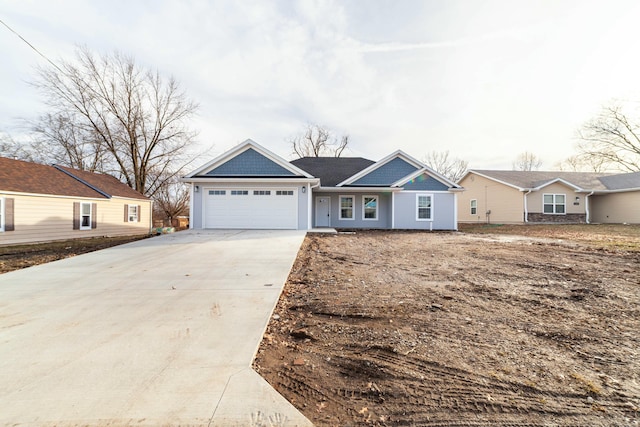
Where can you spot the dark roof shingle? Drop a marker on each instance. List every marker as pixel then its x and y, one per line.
pixel 332 170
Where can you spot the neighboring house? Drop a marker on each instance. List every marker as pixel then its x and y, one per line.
pixel 535 196
pixel 42 203
pixel 250 187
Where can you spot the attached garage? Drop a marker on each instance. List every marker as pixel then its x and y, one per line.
pixel 251 207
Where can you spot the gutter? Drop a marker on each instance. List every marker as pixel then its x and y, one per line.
pixel 526 209
pixel 586 207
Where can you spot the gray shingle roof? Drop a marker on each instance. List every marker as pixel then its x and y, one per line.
pixel 622 181
pixel 533 179
pixel 332 170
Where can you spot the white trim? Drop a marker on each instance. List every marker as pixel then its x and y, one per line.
pixel 431 204
pixel 364 207
pixel 57 196
pixel 393 211
pixel 2 214
pixel 361 189
pixel 241 148
pixel 399 153
pixel 426 170
pixel 554 204
pixel 353 207
pixel 471 207
pixel 86 227
pixel 310 207
pixel 219 180
pixel 455 211
pixel 561 181
pixel 526 206
pixel 129 206
pixel 492 179
pixel 586 207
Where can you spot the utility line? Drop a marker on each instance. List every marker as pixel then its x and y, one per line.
pixel 31 46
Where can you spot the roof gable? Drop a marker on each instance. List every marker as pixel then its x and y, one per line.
pixel 385 172
pixel 248 159
pixel 425 182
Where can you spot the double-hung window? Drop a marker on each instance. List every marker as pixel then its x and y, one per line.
pixel 424 207
pixel 474 207
pixel 554 204
pixel 2 217
pixel 369 208
pixel 346 207
pixel 85 216
pixel 133 213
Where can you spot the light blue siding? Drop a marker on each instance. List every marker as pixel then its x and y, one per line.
pixel 250 163
pixel 384 210
pixel 425 182
pixel 387 174
pixel 442 211
pixel 303 209
pixel 196 215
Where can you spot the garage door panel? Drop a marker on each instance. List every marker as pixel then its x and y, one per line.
pixel 263 208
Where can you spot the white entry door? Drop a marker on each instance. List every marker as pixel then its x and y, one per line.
pixel 323 211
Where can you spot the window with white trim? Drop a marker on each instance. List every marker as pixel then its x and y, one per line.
pixel 346 207
pixel 370 208
pixel 474 207
pixel 554 204
pixel 133 213
pixel 424 205
pixel 85 216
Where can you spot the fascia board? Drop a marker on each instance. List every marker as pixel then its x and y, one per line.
pixel 496 180
pixel 219 180
pixel 435 175
pixel 560 180
pixel 380 163
pixel 358 189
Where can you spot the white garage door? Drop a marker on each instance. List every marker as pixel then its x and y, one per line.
pixel 266 208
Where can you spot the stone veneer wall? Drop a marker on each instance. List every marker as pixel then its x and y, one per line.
pixel 571 218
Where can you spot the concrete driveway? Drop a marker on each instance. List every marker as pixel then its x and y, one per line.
pixel 157 332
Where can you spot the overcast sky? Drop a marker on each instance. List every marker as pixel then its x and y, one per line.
pixel 485 80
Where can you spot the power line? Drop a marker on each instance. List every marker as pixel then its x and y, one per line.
pixel 31 46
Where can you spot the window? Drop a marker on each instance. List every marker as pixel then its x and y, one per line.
pixel 474 207
pixel 284 193
pixel 370 207
pixel 239 192
pixel 2 214
pixel 217 192
pixel 133 213
pixel 85 216
pixel 554 204
pixel 346 207
pixel 423 207
pixel 261 192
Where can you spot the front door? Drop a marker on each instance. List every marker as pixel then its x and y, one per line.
pixel 323 211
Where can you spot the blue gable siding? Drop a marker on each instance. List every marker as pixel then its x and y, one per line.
pixel 387 174
pixel 250 163
pixel 425 182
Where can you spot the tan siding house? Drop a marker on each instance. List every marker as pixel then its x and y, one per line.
pixel 43 203
pixel 540 197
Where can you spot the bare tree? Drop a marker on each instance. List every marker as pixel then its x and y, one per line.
pixel 527 162
pixel 613 139
pixel 12 149
pixel 171 200
pixel 317 141
pixel 111 115
pixel 441 162
pixel 578 163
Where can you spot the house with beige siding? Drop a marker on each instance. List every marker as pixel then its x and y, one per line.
pixel 512 197
pixel 43 203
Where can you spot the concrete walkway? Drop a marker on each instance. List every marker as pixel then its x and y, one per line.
pixel 157 332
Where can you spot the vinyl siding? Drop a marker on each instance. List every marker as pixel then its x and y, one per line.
pixel 615 208
pixel 505 203
pixel 442 211
pixel 384 210
pixel 40 219
pixel 387 174
pixel 250 163
pixel 535 199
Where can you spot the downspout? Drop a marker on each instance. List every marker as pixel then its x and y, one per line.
pixel 526 208
pixel 586 207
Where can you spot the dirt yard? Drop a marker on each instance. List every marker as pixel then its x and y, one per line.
pixel 22 256
pixel 509 326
